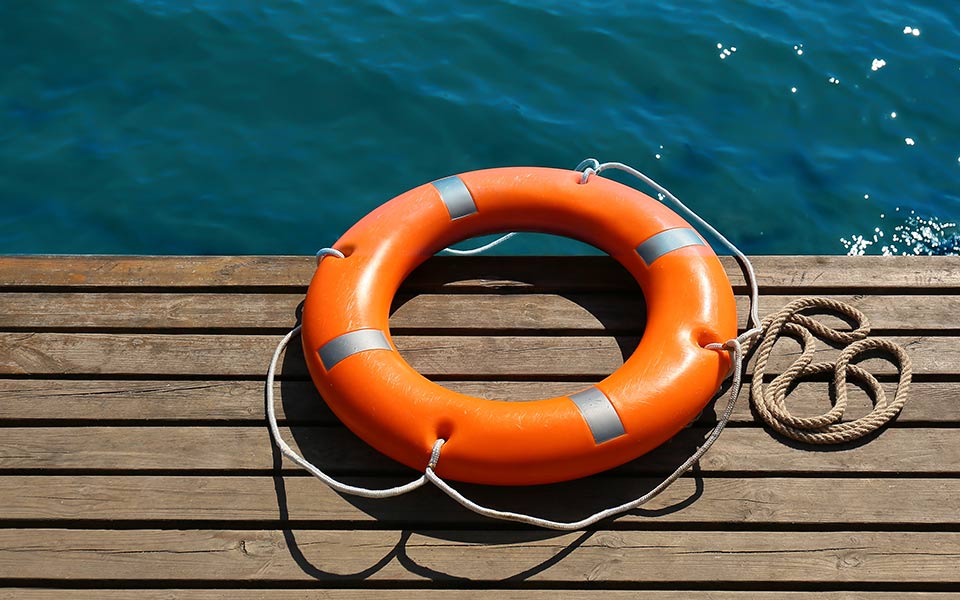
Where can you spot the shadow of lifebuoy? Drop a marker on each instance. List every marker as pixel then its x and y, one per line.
pixel 428 512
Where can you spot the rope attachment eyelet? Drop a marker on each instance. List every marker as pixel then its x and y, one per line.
pixel 325 252
pixel 588 167
pixel 435 454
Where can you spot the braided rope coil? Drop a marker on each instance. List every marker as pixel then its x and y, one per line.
pixel 769 399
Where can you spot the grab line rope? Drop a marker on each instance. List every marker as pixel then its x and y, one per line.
pixel 769 401
pixel 736 353
pixel 733 347
pixel 290 453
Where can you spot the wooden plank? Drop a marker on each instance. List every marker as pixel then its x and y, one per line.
pixel 182 449
pixel 594 593
pixel 156 271
pixel 537 557
pixel 51 499
pixel 97 400
pixel 85 401
pixel 227 355
pixel 626 312
pixel 530 357
pixel 66 311
pixel 94 310
pixel 581 273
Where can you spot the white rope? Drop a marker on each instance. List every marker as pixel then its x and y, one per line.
pixel 483 248
pixel 753 321
pixel 290 453
pixel 480 249
pixel 736 353
pixel 591 166
pixel 733 346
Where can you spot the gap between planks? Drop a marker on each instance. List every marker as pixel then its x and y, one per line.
pixel 593 593
pixel 568 313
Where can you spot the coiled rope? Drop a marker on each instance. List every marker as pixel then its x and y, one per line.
pixel 769 400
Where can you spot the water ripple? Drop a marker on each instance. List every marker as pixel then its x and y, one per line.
pixel 215 126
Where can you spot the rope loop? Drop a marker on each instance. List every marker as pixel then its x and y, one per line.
pixel 769 399
pixel 588 167
pixel 733 347
pixel 286 450
pixel 325 252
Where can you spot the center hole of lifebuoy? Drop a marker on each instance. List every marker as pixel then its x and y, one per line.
pixel 518 327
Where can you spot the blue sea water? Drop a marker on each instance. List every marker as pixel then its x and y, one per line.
pixel 235 126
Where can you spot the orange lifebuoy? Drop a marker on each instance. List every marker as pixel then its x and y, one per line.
pixel 659 389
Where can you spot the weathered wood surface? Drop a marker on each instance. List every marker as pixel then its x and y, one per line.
pixel 447 356
pixel 926 450
pixel 720 501
pixel 402 555
pixel 517 313
pixel 133 449
pixel 65 401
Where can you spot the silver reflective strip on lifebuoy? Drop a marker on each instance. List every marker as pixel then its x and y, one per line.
pixel 456 197
pixel 598 412
pixel 666 242
pixel 349 344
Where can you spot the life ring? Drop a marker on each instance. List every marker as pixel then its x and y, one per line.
pixel 659 389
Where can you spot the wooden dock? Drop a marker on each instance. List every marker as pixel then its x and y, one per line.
pixel 135 461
